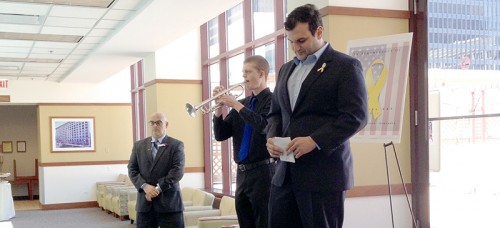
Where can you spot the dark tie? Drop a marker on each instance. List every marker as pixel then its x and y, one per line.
pixel 247 133
pixel 155 150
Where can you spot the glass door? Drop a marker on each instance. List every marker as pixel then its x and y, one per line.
pixel 464 112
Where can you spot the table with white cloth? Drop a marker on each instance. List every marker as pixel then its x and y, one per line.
pixel 7 210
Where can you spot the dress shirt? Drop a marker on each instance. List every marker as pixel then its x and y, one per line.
pixel 300 73
pixel 232 126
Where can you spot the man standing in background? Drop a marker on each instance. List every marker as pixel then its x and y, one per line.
pixel 155 168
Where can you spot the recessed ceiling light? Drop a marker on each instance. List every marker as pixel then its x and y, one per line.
pixel 40 37
pixel 30 60
pixel 9 67
pixel 23 19
pixel 90 3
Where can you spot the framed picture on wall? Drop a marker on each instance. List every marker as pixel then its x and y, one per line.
pixel 72 134
pixel 7 146
pixel 21 146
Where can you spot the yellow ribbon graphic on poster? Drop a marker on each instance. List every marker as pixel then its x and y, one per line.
pixel 374 88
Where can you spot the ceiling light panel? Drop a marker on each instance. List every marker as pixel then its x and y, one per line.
pixel 100 32
pixel 91 40
pixel 77 12
pixel 66 31
pixel 16 55
pixel 89 3
pixel 20 28
pixel 70 22
pixel 108 24
pixel 39 37
pixel 81 52
pixel 23 50
pixel 12 7
pixel 115 14
pixel 21 19
pixel 16 43
pixel 128 5
pixel 45 44
pixel 29 60
pixel 52 51
pixel 46 56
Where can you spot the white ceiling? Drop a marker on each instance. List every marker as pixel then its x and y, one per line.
pixel 112 38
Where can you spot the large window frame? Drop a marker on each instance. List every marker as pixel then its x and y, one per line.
pixel 277 37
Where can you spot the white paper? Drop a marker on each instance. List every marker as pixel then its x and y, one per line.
pixel 283 143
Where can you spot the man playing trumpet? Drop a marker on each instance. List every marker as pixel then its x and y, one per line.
pixel 245 122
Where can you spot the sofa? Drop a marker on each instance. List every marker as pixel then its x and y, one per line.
pixel 224 215
pixel 122 179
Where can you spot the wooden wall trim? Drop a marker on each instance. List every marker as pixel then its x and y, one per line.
pixel 378 190
pixel 84 104
pixel 365 12
pixel 123 162
pixel 4 98
pixel 61 206
pixel 56 164
pixel 172 81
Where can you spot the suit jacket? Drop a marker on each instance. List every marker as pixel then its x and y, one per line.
pixel 166 170
pixel 331 107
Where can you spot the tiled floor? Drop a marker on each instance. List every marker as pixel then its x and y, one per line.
pixel 26 205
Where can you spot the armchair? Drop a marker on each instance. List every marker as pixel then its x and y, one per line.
pixel 200 200
pixel 132 200
pixel 225 215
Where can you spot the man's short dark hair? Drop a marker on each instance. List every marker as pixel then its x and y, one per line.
pixel 304 14
pixel 259 62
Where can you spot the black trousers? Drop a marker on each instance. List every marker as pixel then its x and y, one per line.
pixel 290 207
pixel 154 219
pixel 252 196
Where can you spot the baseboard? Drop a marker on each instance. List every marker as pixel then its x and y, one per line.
pixel 35 197
pixel 69 205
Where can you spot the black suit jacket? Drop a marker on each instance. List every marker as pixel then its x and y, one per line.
pixel 166 170
pixel 331 107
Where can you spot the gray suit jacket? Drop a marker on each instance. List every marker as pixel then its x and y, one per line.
pixel 331 107
pixel 166 170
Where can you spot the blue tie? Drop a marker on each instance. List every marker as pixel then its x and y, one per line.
pixel 247 133
pixel 155 149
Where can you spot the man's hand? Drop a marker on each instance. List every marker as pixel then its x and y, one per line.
pixel 151 192
pixel 216 91
pixel 273 150
pixel 300 146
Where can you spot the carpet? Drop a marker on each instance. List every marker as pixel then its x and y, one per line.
pixel 73 218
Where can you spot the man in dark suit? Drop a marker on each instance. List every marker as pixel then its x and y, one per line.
pixel 255 166
pixel 319 101
pixel 156 166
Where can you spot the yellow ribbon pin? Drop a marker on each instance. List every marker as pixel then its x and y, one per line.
pixel 374 88
pixel 322 68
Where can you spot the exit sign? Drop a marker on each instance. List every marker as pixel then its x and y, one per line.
pixel 4 83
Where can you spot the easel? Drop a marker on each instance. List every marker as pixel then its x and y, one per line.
pixel 402 182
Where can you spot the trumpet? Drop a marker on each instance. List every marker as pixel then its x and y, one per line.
pixel 205 107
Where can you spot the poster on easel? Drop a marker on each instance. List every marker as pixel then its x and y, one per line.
pixel 385 61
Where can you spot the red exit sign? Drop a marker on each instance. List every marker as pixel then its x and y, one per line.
pixel 4 83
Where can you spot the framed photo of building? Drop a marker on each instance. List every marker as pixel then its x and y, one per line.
pixel 72 134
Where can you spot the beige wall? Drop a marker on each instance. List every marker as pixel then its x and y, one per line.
pixel 171 96
pixel 113 131
pixel 369 163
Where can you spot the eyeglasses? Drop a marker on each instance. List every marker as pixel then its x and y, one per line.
pixel 157 123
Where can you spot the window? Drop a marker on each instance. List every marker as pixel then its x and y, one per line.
pixel 250 30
